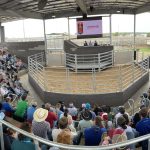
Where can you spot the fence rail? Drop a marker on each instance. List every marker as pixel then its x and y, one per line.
pixel 62 79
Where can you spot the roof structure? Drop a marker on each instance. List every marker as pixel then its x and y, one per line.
pixel 19 9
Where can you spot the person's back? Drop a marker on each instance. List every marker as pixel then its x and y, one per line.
pixel 21 108
pixel 64 137
pixel 93 135
pixel 40 127
pixel 143 126
pixel 30 112
pixel 21 145
pixel 51 118
pixel 23 142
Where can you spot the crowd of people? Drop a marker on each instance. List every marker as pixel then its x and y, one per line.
pixel 89 125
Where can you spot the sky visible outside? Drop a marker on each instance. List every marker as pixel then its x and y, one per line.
pixel 34 28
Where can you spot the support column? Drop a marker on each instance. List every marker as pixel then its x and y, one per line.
pixel 110 29
pixel 24 34
pixel 134 34
pixel 2 33
pixel 45 41
pixel 68 28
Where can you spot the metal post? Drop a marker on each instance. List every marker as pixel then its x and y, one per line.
pixel 23 29
pixel 76 63
pixel 68 86
pixel 149 143
pixel 2 137
pixel 120 79
pixel 93 80
pixel 99 62
pixel 110 29
pixel 133 78
pixel 45 79
pixel 134 35
pixel 36 142
pixel 68 28
pixel 45 40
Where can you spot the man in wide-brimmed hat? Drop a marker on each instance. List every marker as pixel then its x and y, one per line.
pixel 40 127
pixel 86 121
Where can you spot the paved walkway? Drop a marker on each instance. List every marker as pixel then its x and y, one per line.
pixel 32 94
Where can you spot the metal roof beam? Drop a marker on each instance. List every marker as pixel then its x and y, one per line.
pixel 82 6
pixel 20 14
pixel 144 8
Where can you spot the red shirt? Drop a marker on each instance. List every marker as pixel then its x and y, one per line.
pixel 51 118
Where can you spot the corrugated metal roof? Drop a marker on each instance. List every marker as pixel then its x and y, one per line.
pixel 18 9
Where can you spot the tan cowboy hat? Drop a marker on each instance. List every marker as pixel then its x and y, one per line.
pixel 40 115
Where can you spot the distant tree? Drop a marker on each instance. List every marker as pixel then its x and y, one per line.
pixel 115 34
pixel 148 34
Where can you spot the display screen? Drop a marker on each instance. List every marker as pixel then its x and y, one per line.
pixel 89 27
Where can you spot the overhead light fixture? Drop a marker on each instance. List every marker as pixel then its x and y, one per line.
pixel 53 16
pixel 42 4
pixel 118 11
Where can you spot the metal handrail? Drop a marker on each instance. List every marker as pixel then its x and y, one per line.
pixel 71 147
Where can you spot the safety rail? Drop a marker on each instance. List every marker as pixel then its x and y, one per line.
pixel 89 61
pixel 65 146
pixel 64 80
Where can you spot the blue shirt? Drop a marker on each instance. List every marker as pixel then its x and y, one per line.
pixel 143 126
pixel 7 107
pixel 30 112
pixel 93 135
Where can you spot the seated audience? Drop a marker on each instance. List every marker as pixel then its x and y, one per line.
pixel 93 135
pixel 58 111
pixel 7 107
pixel 40 127
pixel 73 111
pixel 85 43
pixel 121 111
pixel 22 105
pixel 30 111
pixel 52 117
pixel 143 126
pixel 86 121
pixel 70 121
pixel 23 142
pixel 95 43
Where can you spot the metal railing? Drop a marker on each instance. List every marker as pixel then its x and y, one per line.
pixel 62 79
pixel 69 147
pixel 89 61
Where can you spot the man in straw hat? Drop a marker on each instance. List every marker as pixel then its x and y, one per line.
pixel 40 127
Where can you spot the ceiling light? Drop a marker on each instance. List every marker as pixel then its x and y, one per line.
pixel 118 11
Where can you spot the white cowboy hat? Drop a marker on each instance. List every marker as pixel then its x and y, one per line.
pixel 40 115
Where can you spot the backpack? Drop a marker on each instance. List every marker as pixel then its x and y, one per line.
pixel 64 137
pixel 119 135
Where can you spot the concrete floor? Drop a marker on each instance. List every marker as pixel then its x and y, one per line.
pixel 32 94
